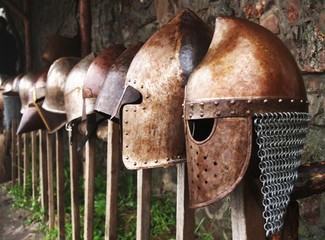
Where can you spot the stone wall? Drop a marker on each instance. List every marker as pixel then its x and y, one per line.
pixel 299 23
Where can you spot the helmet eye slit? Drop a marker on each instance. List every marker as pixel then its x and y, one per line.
pixel 201 129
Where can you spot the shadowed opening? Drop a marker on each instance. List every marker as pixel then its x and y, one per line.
pixel 201 129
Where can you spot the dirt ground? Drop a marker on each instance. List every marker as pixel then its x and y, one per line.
pixel 13 221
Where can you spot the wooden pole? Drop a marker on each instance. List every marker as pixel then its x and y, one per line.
pixel 26 160
pixel 143 203
pixel 49 142
pixel 89 181
pixel 85 27
pixel 13 152
pixel 74 178
pixel 43 172
pixel 246 211
pixel 27 26
pixel 113 157
pixel 19 162
pixel 34 164
pixel 60 183
pixel 185 219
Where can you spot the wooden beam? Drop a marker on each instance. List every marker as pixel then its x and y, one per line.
pixel 185 218
pixel 143 203
pixel 19 161
pixel 51 213
pixel 113 157
pixel 34 164
pixel 89 180
pixel 60 183
pixel 16 10
pixel 85 26
pixel 28 45
pixel 74 183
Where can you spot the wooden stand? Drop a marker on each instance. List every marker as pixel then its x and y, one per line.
pixel 89 181
pixel 113 157
pixel 60 183
pixel 26 161
pixel 19 161
pixel 74 184
pixel 13 152
pixel 49 141
pixel 34 165
pixel 43 172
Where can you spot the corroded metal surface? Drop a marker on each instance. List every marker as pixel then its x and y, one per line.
pixel 25 84
pixel 56 77
pixel 73 89
pixel 113 86
pixel 97 73
pixel 246 70
pixel 152 130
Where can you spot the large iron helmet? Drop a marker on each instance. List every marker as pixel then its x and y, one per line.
pixel 97 73
pixel 73 88
pixel 31 119
pixel 247 80
pixel 152 124
pixel 113 86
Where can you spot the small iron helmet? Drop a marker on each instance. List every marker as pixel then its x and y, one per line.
pixel 56 78
pixel 247 79
pixel 97 73
pixel 73 88
pixel 156 80
pixel 113 86
pixel 31 119
pixel 53 109
pixel 25 84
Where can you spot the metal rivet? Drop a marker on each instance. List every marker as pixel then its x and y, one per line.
pixel 167 159
pixel 182 104
pixel 129 80
pixel 126 121
pixel 191 105
pixel 232 101
pixel 135 82
pixel 219 113
pixel 201 114
pixel 143 108
pixel 178 157
pixel 232 112
pixel 201 104
pixel 216 103
pixel 301 101
pixel 141 86
pixel 126 133
pixel 249 101
pixel 307 101
pixel 265 101
pixel 145 162
pixel 248 111
pixel 292 100
pixel 126 146
pixel 191 115
pixel 147 96
pixel 134 110
pixel 280 100
pixel 127 158
pixel 126 109
pixel 134 163
pixel 156 161
pixel 182 116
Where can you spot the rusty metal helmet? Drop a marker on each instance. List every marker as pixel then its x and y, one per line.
pixel 56 78
pixel 73 88
pixel 247 85
pixel 25 84
pixel 58 46
pixel 97 73
pixel 154 92
pixel 113 86
pixel 31 120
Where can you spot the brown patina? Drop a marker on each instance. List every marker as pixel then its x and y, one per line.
pixel 152 126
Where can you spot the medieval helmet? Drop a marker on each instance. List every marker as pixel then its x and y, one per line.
pixel 73 88
pixel 56 78
pixel 155 81
pixel 247 78
pixel 113 86
pixel 97 73
pixel 53 109
pixel 25 84
pixel 31 119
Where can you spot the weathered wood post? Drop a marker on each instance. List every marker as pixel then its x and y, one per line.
pixel 19 161
pixel 60 183
pixel 13 152
pixel 43 172
pixel 51 213
pixel 113 157
pixel 26 160
pixel 34 164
